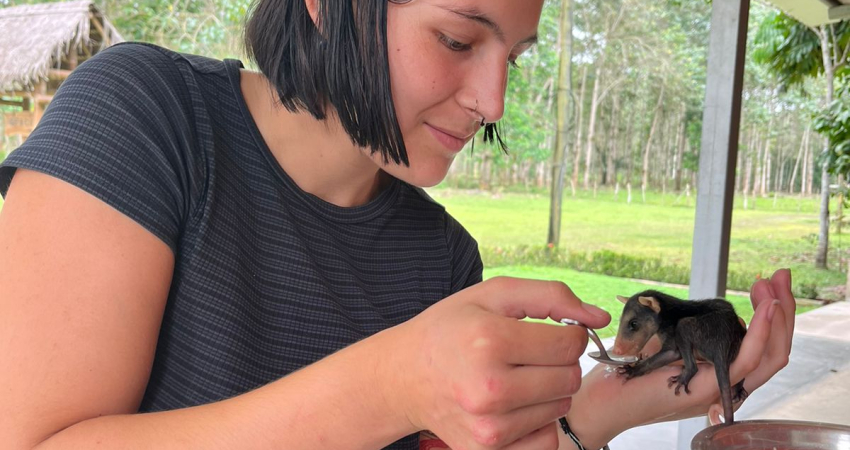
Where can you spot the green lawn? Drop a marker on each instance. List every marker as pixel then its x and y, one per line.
pixel 762 239
pixel 602 290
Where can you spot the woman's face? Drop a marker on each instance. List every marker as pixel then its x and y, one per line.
pixel 449 62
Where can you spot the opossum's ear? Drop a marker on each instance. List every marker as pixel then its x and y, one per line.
pixel 650 302
pixel 622 299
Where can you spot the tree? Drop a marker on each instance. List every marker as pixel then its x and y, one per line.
pixel 794 52
pixel 564 122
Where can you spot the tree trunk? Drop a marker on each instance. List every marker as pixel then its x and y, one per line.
pixel 610 173
pixel 765 184
pixel 823 235
pixel 559 156
pixel 645 175
pixel 591 125
pixel 757 166
pixel 628 146
pixel 806 174
pixel 680 148
pixel 747 171
pixel 579 128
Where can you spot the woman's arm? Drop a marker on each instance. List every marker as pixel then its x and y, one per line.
pixel 84 289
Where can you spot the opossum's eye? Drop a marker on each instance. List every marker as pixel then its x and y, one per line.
pixel 633 325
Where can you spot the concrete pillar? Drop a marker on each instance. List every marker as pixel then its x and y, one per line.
pixel 718 155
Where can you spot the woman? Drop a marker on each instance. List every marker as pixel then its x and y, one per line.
pixel 200 256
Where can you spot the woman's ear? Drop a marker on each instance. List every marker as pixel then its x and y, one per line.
pixel 313 10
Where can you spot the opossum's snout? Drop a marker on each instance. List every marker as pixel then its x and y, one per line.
pixel 626 347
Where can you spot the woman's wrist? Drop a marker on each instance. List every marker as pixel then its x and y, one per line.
pixel 389 379
pixel 588 419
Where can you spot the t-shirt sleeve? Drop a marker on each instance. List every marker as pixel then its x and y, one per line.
pixel 467 268
pixel 120 129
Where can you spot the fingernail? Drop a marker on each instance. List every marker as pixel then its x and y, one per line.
pixel 722 419
pixel 771 310
pixel 598 312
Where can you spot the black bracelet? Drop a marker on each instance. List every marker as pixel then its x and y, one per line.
pixel 566 427
pixel 569 432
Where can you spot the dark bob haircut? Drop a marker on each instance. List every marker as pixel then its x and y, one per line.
pixel 344 64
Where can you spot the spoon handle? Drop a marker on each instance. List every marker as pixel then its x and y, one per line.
pixel 592 334
pixel 595 338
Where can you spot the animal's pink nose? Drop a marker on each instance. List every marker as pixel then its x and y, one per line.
pixel 622 349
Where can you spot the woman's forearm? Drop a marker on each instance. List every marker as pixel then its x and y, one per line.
pixel 348 400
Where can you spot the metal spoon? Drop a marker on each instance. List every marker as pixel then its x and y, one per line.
pixel 602 355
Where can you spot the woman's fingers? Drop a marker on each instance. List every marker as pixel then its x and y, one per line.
pixel 519 298
pixel 775 357
pixel 545 438
pixel 503 430
pixel 531 385
pixel 780 284
pixel 541 344
pixel 755 342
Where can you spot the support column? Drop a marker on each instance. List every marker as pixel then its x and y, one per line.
pixel 718 156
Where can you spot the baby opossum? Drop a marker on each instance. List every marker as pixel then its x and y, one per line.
pixel 688 329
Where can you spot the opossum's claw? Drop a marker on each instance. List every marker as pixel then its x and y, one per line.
pixel 680 381
pixel 628 371
pixel 741 394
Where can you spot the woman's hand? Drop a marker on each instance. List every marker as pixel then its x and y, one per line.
pixel 606 405
pixel 479 378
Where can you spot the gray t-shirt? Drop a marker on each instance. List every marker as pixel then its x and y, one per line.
pixel 267 277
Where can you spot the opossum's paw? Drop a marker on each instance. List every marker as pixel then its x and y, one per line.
pixel 629 371
pixel 681 381
pixel 740 394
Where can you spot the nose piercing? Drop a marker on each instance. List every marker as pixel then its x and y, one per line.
pixel 476 111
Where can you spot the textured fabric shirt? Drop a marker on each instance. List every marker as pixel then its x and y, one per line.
pixel 267 277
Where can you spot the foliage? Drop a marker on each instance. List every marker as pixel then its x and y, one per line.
pixel 208 27
pixel 789 49
pixel 834 123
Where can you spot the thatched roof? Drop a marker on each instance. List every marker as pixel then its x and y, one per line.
pixel 35 37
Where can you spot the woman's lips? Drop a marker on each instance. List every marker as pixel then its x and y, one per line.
pixel 449 141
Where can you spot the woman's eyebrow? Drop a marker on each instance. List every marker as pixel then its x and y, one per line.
pixel 476 15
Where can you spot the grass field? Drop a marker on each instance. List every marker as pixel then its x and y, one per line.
pixel 763 239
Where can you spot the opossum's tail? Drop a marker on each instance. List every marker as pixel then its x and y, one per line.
pixel 722 370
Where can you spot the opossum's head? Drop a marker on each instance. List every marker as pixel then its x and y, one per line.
pixel 638 324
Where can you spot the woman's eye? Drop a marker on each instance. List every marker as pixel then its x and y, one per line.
pixel 454 45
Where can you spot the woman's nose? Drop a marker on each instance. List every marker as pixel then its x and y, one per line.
pixel 490 82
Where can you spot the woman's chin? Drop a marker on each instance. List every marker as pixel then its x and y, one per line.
pixel 423 177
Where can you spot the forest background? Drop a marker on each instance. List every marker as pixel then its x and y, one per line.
pixel 635 110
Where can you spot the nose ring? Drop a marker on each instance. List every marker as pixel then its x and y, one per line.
pixel 476 110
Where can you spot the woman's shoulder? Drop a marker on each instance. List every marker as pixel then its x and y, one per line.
pixel 142 64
